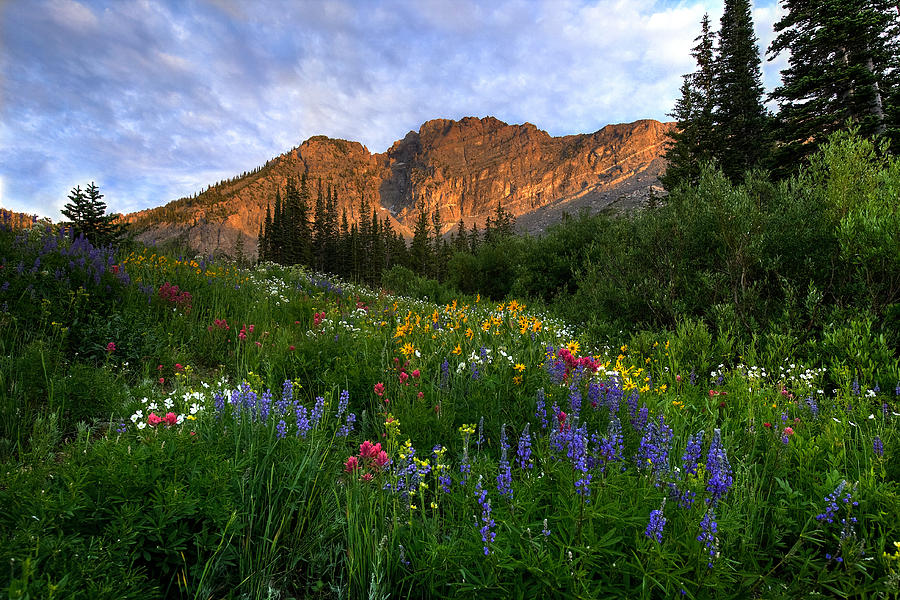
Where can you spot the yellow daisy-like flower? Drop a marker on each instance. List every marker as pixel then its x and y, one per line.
pixel 457 351
pixel 573 347
pixel 408 349
pixel 469 333
pixel 519 367
pixel 517 380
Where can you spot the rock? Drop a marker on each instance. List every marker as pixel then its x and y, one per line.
pixel 464 168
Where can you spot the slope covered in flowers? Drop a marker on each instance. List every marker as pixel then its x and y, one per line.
pixel 181 428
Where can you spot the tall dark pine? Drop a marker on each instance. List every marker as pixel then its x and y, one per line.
pixel 319 234
pixel 86 212
pixel 419 247
pixel 740 116
pixel 694 137
pixel 842 67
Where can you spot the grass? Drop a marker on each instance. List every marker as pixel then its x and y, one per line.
pixel 241 483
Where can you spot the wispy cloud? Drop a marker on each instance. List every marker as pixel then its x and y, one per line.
pixel 155 100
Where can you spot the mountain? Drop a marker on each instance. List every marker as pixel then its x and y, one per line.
pixel 464 168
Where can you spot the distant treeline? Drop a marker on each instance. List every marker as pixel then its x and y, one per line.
pixel 300 231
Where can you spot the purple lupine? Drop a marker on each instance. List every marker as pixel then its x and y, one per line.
pixel 464 467
pixel 594 390
pixel 654 529
pixel 546 529
pixel 614 395
pixel 345 429
pixel 612 446
pixel 487 535
pixel 632 403
pixel 838 499
pixel 541 409
pixel 813 406
pixel 692 453
pixel 523 452
pixel 719 470
pixel 219 401
pixel 317 412
pixel 301 419
pixel 476 375
pixel 574 398
pixel 708 530
pixel 878 446
pixel 654 449
pixel 445 373
pixel 281 429
pixel 693 377
pixel 578 455
pixel 287 393
pixel 235 402
pixel 265 405
pixel 343 400
pixel 854 388
pixel 504 474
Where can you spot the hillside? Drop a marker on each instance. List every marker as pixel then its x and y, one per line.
pixel 463 168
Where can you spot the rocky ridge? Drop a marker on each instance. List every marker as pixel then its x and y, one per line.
pixel 464 168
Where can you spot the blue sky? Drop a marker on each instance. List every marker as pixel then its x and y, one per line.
pixel 156 100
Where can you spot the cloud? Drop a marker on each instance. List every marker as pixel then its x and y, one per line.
pixel 156 100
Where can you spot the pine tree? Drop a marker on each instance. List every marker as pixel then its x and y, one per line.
pixel 419 247
pixel 461 239
pixel 741 119
pixel 842 68
pixel 319 231
pixel 693 139
pixel 86 212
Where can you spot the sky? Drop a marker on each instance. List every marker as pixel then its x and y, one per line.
pixel 154 101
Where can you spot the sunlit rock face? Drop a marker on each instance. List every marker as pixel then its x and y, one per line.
pixel 463 168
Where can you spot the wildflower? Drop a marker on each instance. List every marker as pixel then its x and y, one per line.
pixel 170 418
pixel 878 446
pixel 351 464
pixel 657 522
pixel 379 389
pixel 281 429
pixel 692 453
pixel 153 419
pixel 523 452
pixel 541 410
pixel 546 529
pixel 786 433
pixel 487 535
pixel 519 367
pixel 111 347
pixel 612 446
pixel 504 475
pixel 719 470
pixel 343 400
pixel 708 529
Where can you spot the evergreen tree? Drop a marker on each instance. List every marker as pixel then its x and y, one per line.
pixel 842 68
pixel 740 116
pixel 437 226
pixel 331 231
pixel 419 247
pixel 693 139
pixel 87 216
pixel 261 243
pixel 319 230
pixel 461 238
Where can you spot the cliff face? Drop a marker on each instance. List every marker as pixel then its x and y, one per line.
pixel 464 168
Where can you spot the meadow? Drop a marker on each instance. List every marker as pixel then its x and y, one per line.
pixel 184 428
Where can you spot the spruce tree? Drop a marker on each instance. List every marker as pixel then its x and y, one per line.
pixel 693 139
pixel 87 216
pixel 419 254
pixel 741 119
pixel 842 68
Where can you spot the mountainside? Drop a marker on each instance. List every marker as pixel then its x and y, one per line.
pixel 464 168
